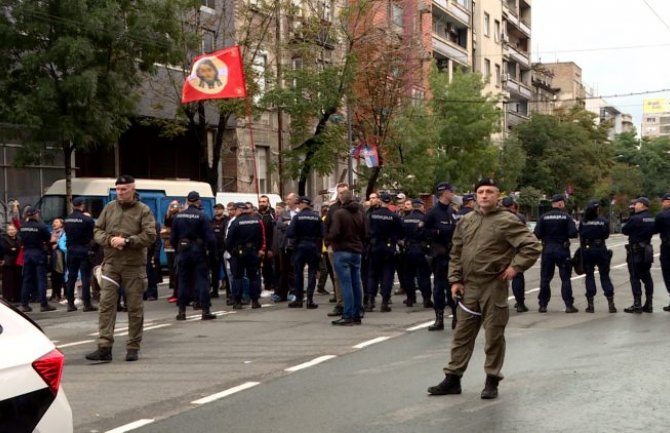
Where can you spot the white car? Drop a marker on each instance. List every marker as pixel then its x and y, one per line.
pixel 31 398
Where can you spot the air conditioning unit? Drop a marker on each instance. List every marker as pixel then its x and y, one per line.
pixel 504 37
pixel 424 7
pixel 505 77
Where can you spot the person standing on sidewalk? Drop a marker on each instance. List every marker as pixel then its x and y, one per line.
pixel 79 234
pixel 125 229
pixel 35 238
pixel 489 247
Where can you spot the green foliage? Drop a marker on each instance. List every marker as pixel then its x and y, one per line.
pixel 642 165
pixel 465 119
pixel 511 165
pixel 72 67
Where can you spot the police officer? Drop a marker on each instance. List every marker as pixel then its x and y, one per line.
pixel 306 229
pixel 416 264
pixel 663 230
pixel 216 261
pixel 467 207
pixel 593 230
pixel 640 255
pixel 555 229
pixel 439 226
pixel 34 237
pixel 384 230
pixel 79 235
pixel 519 281
pixel 246 243
pixel 193 237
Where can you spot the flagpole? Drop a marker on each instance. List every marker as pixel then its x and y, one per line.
pixel 253 145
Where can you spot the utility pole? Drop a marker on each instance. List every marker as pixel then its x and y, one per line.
pixel 280 112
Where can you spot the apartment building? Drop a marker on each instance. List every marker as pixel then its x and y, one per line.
pixel 567 80
pixel 656 118
pixel 451 41
pixel 545 94
pixel 607 114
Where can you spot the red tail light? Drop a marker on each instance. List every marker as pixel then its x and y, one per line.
pixel 50 369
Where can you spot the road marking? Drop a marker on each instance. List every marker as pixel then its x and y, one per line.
pixel 421 326
pixel 132 426
pixel 371 342
pixel 308 364
pixel 216 313
pixel 76 343
pixel 123 328
pixel 226 393
pixel 146 328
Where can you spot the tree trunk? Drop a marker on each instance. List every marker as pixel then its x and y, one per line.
pixel 372 181
pixel 312 146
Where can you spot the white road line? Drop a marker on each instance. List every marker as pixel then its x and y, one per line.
pixel 371 342
pixel 132 426
pixel 308 364
pixel 146 328
pixel 225 393
pixel 122 328
pixel 76 343
pixel 420 326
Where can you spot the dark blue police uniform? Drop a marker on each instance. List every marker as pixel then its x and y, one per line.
pixel 663 230
pixel 439 226
pixel 640 255
pixel 245 239
pixel 554 229
pixel 306 230
pixel 519 281
pixel 34 237
pixel 416 264
pixel 192 238
pixel 593 230
pixel 384 231
pixel 79 235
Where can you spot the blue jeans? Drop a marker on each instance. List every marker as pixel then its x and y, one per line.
pixel 348 269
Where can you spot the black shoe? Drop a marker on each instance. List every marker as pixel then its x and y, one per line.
pixel 344 322
pixel 181 316
pixel 490 390
pixel 648 306
pixel 295 304
pixel 229 302
pixel 26 308
pixel 370 306
pixel 237 306
pixel 542 309
pixel 214 294
pixel 89 307
pixel 450 385
pixel 103 354
pixel 337 311
pixel 358 320
pixel 521 307
pixel 310 305
pixel 132 355
pixel 207 315
pixel 47 307
pixel 255 304
pixel 322 292
pixel 71 308
pixel 635 309
pixel 333 300
pixel 571 309
pixel 427 303
pixel 385 308
pixel 439 322
pixel 409 302
pixel 667 308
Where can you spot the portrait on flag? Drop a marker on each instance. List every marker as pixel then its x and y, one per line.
pixel 217 75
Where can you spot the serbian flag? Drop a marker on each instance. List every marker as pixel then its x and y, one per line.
pixel 218 75
pixel 369 154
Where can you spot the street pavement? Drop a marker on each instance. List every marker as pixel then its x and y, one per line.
pixel 285 370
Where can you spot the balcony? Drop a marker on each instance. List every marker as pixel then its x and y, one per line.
pixel 522 58
pixel 512 16
pixel 455 10
pixel 450 50
pixel 517 88
pixel 514 118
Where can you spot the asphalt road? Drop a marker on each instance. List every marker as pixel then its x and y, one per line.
pixel 281 370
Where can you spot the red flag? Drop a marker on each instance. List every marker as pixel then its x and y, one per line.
pixel 217 75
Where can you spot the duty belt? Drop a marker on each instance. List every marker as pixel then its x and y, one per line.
pixel 565 244
pixel 593 243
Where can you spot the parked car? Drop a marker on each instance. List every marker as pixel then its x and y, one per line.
pixel 31 396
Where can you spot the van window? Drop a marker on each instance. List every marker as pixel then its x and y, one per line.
pixel 53 206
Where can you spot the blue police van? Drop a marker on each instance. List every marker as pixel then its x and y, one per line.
pixel 155 193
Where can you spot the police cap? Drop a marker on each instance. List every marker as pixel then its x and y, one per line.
pixel 305 200
pixel 30 211
pixel 468 197
pixel 592 204
pixel 444 186
pixel 241 205
pixel 124 179
pixel 193 196
pixel 557 197
pixel 644 200
pixel 508 201
pixel 487 181
pixel 666 196
pixel 417 202
pixel 78 201
pixel 385 197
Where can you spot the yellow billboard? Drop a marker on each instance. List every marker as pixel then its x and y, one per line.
pixel 656 105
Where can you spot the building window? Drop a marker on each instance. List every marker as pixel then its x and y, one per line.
pixel 498 76
pixel 262 168
pixel 259 67
pixel 487 69
pixel 487 25
pixel 397 16
pixel 417 96
pixel 326 10
pixel 208 41
pixel 651 119
pixel 496 31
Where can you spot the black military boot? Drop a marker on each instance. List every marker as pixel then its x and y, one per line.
pixel 207 314
pixel 666 308
pixel 439 321
pixel 214 293
pixel 450 385
pixel 636 308
pixel 589 305
pixel 490 390
pixel 370 305
pixel 521 307
pixel 89 307
pixel 610 304
pixel 71 307
pixel 427 303
pixel 385 306
pixel 409 302
pixel 311 305
pixel 255 304
pixel 101 354
pixel 648 306
pixel 571 309
pixel 295 304
pixel 181 315
pixel 47 307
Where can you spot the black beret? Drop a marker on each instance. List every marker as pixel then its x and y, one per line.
pixel 385 197
pixel 124 179
pixel 487 181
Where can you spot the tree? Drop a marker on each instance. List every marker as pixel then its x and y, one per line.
pixel 73 67
pixel 642 165
pixel 512 163
pixel 465 119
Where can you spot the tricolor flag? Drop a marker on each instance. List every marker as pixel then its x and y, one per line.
pixel 217 75
pixel 369 153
